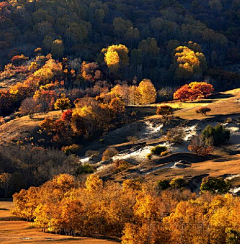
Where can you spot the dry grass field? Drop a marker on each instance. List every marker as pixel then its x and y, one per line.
pixel 16 231
pixel 23 127
pixel 227 104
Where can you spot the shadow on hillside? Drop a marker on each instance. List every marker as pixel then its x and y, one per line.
pixel 203 101
pixel 218 118
pixel 220 95
pixel 190 157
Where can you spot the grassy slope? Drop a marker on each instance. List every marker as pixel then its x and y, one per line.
pixel 225 105
pixel 23 127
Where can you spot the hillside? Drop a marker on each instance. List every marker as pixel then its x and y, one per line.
pixel 147 128
pixel 23 127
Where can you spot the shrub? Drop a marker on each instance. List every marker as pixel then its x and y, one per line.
pixel 67 116
pixel 229 120
pixel 84 169
pixel 203 110
pixel 2 121
pixel 164 153
pixel 158 150
pixel 121 165
pixel 163 184
pixel 91 153
pixel 109 153
pixel 62 103
pixel 164 110
pixel 149 156
pixel 215 185
pixel 199 146
pixel 178 183
pixel 71 149
pixel 176 135
pixel 218 134
pixel 101 141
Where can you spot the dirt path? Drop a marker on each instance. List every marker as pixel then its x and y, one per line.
pixel 14 232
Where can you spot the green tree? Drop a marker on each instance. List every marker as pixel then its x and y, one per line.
pixel 218 134
pixel 215 185
pixel 57 48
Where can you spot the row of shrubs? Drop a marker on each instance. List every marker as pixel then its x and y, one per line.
pixel 215 185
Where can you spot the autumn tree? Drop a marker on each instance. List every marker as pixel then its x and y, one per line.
pixel 89 71
pixel 194 90
pixel 90 119
pixel 94 183
pixel 116 56
pixel 18 59
pixel 199 146
pixel 117 106
pixel 189 64
pixel 147 91
pixel 134 211
pixel 62 103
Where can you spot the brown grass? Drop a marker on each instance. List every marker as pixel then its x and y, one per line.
pixel 23 127
pixel 218 106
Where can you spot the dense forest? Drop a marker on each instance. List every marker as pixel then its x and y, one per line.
pixel 151 30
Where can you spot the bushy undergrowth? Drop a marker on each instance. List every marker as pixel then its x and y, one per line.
pixel 26 166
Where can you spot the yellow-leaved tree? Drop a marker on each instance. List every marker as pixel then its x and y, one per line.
pixel 188 63
pixel 116 57
pixel 147 91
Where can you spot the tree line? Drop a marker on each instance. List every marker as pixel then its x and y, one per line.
pixel 136 212
pixel 151 30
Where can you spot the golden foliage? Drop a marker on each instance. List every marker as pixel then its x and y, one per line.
pixel 134 210
pixel 147 91
pixel 116 56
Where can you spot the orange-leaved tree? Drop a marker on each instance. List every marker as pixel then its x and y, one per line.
pixel 193 91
